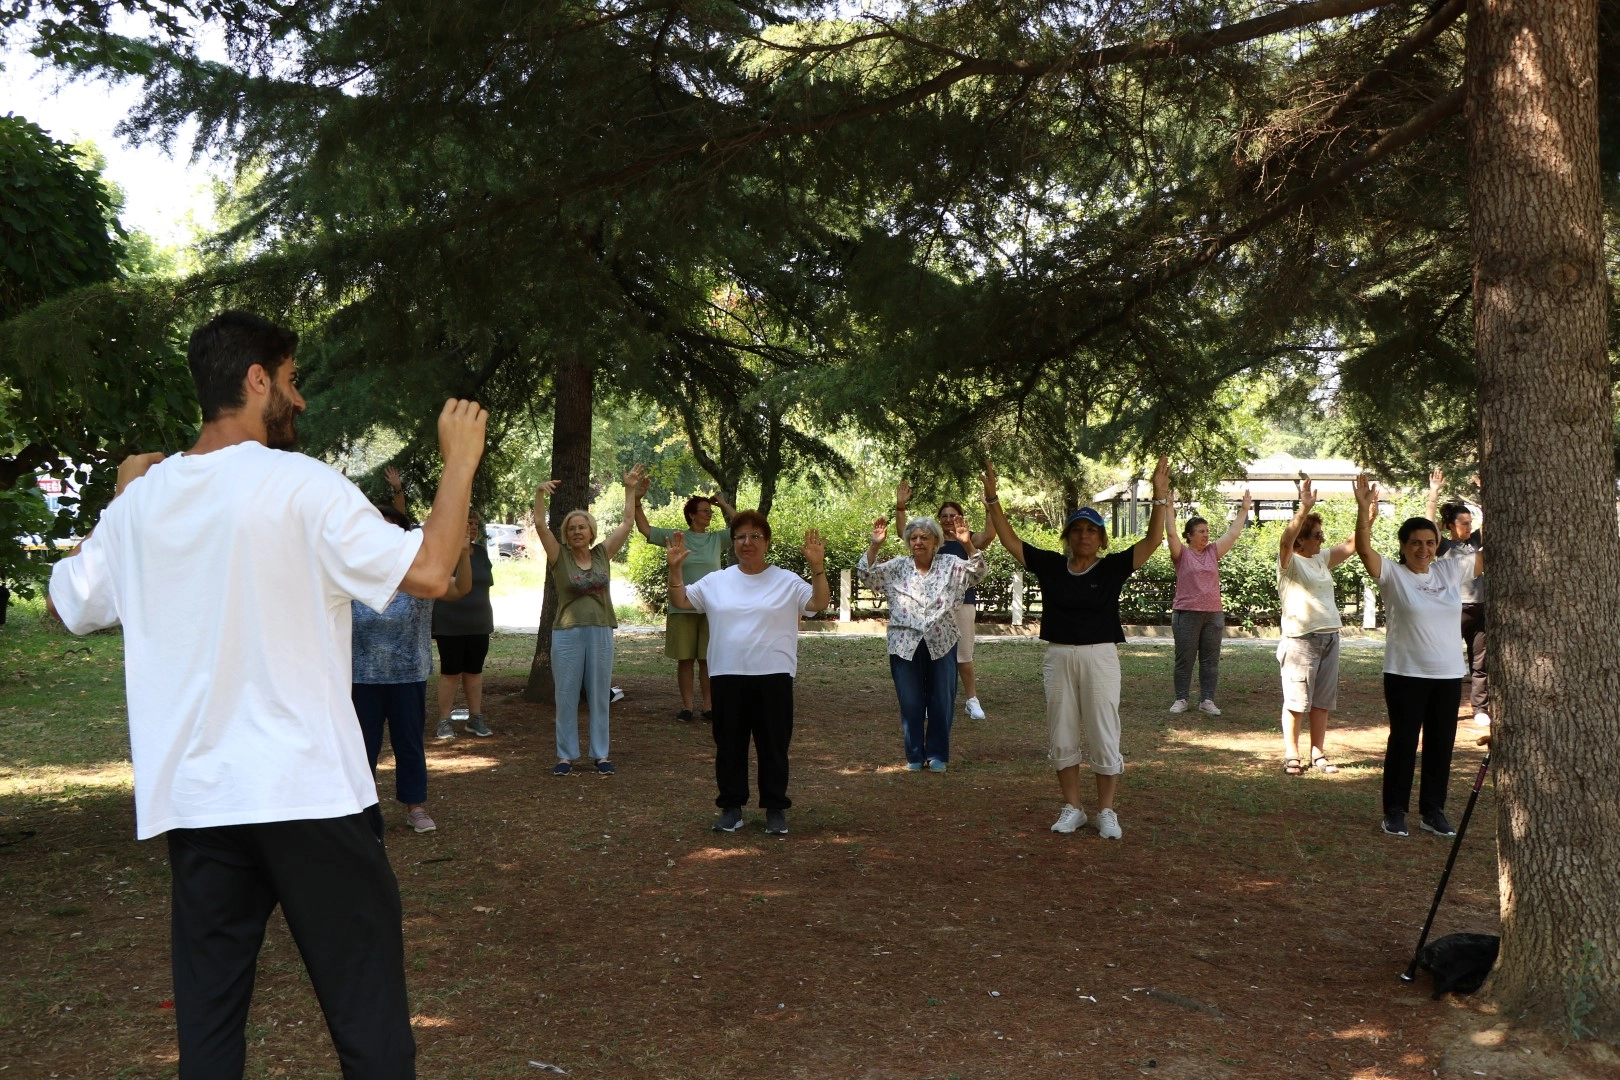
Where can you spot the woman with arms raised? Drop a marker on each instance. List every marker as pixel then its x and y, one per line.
pixel 1197 617
pixel 582 634
pixel 754 610
pixel 1080 623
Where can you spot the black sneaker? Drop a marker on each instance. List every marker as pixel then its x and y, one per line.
pixel 685 716
pixel 708 714
pixel 605 767
pixel 729 820
pixel 776 822
pixel 1436 823
pixel 1395 823
pixel 562 768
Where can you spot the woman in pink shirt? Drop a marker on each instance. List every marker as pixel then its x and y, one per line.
pixel 1196 617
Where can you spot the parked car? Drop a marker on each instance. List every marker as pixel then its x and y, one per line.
pixel 506 541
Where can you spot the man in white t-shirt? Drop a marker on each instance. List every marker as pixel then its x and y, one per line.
pixel 231 568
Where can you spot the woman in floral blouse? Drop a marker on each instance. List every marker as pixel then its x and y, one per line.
pixel 924 590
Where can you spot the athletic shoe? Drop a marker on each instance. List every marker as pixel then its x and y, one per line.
pixel 1482 718
pixel 605 767
pixel 617 695
pixel 1207 706
pixel 684 716
pixel 914 766
pixel 476 725
pixel 1436 823
pixel 1395 823
pixel 935 765
pixel 776 822
pixel 1108 824
pixel 447 729
pixel 729 821
pixel 1069 820
pixel 975 711
pixel 562 768
pixel 1179 705
pixel 708 714
pixel 416 817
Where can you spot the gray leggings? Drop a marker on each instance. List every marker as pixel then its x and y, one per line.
pixel 1198 637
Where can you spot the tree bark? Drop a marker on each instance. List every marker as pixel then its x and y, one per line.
pixel 1540 309
pixel 575 390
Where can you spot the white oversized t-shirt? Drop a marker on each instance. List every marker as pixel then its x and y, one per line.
pixel 1305 587
pixel 232 573
pixel 753 619
pixel 1423 617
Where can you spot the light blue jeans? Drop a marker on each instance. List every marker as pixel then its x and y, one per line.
pixel 582 658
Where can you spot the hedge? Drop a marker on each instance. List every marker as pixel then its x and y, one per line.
pixel 1248 572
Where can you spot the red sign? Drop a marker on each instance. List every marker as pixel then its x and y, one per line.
pixel 50 485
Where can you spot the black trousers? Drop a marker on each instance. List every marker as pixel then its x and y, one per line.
pixel 341 900
pixel 761 707
pixel 1427 707
pixel 1473 635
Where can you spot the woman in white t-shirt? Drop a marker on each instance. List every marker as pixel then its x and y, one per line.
pixel 1423 660
pixel 754 610
pixel 1308 650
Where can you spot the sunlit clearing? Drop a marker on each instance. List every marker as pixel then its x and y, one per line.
pixel 431 1022
pixel 47 781
pixel 717 853
pixel 464 763
pixel 870 770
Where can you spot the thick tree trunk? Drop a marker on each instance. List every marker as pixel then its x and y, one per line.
pixel 575 385
pixel 1540 310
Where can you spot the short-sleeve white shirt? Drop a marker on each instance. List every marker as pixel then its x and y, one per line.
pixel 1423 619
pixel 1305 588
pixel 753 619
pixel 232 574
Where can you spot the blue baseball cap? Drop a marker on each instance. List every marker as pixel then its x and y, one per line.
pixel 1087 514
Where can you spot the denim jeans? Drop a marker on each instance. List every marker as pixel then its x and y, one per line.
pixel 582 658
pixel 1198 639
pixel 927 691
pixel 403 707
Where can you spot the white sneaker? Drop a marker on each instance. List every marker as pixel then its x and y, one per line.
pixel 975 711
pixel 1108 825
pixel 1482 719
pixel 1208 706
pixel 1180 705
pixel 1071 819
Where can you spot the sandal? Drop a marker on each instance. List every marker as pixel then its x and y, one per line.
pixel 1321 764
pixel 1293 766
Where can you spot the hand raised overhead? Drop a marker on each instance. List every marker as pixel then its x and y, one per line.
pixel 676 551
pixel 814 549
pixel 880 530
pixel 462 426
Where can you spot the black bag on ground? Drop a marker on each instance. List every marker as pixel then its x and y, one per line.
pixel 1459 962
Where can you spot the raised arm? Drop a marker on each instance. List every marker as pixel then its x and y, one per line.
pixel 974 568
pixel 462 583
pixel 727 511
pixel 444 533
pixel 869 561
pixel 675 554
pixel 1144 548
pixel 632 498
pixel 397 485
pixel 996 519
pixel 1296 524
pixel 542 527
pixel 1366 511
pixel 642 526
pixel 902 499
pixel 1176 546
pixel 815 553
pixel 1437 480
pixel 1235 529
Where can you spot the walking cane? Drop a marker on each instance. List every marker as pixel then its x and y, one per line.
pixel 1462 827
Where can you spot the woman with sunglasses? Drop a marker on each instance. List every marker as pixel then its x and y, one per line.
pixel 754 610
pixel 1309 649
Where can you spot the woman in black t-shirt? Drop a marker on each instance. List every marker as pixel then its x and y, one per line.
pixel 1080 623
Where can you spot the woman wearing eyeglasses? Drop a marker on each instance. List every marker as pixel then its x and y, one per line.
pixel 1309 649
pixel 754 610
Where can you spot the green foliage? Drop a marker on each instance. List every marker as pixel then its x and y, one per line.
pixel 57 225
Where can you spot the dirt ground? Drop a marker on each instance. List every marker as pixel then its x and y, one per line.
pixel 911 925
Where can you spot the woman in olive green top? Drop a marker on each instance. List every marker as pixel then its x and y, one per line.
pixel 686 633
pixel 582 635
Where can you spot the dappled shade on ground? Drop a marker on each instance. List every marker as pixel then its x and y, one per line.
pixel 911 925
